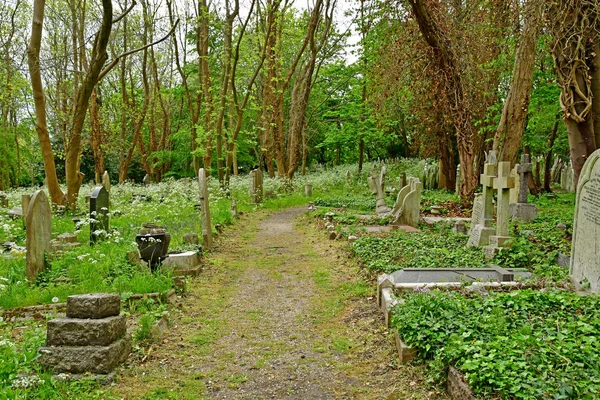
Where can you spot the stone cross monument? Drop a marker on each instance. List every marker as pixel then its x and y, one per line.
pixel 522 210
pixel 502 183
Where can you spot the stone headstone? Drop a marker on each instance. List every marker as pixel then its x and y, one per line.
pixel 410 210
pixel 481 223
pixel 38 222
pixel 106 181
pixel 459 227
pixel 205 210
pixel 348 177
pixel 190 238
pixel 522 210
pixel 382 176
pixel 502 183
pixel 251 183
pixel 234 209
pixel 25 200
pixel 308 190
pixel 380 207
pixel 585 250
pixel 99 221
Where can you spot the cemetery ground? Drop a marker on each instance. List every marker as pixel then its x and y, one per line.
pixel 279 310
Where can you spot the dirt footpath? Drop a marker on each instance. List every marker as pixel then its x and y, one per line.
pixel 279 313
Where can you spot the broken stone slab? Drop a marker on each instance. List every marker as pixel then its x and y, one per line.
pixel 79 359
pixel 563 260
pixel 93 305
pixel 456 386
pixel 15 212
pixel 406 354
pixel 67 238
pixel 195 271
pixel 331 235
pixel 85 332
pixel 460 228
pixel 181 261
pixel 436 210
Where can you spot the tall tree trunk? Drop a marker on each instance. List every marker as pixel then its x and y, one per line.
pixel 41 126
pixel 507 140
pixel 73 150
pixel 457 100
pixel 96 136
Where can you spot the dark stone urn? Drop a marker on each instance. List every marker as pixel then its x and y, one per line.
pixel 153 244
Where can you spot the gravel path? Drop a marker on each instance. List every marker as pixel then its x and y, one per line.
pixel 279 313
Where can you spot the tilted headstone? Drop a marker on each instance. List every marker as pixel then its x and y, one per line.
pixel 481 230
pixel 38 222
pixel 380 207
pixel 585 250
pixel 521 210
pixel 502 183
pixel 99 221
pixel 205 210
pixel 106 181
pixel 411 205
pixel 382 176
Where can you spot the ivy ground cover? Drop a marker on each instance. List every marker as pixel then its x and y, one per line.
pixel 518 345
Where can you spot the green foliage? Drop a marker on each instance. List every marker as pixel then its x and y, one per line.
pixel 524 344
pixel 435 248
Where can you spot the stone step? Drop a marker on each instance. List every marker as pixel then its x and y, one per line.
pixel 93 305
pixel 86 332
pixel 79 359
pixel 499 241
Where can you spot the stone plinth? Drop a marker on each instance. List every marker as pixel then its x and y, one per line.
pixel 93 338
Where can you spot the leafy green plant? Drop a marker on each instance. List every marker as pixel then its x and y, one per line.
pixel 523 344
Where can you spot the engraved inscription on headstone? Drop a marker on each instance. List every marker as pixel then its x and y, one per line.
pixel 585 251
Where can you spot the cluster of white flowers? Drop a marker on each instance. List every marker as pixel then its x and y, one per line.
pixel 6 343
pixel 24 382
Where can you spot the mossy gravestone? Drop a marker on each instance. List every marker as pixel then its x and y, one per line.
pixel 585 253
pixel 38 222
pixel 98 214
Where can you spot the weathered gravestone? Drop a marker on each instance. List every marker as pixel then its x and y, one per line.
pixel 585 250
pixel 522 210
pixel 514 192
pixel 308 190
pixel 38 222
pixel 458 180
pixel 99 223
pixel 371 180
pixel 481 219
pixel 234 209
pixel 380 207
pixel 502 183
pixel 92 338
pixel 407 208
pixel 106 181
pixel 25 200
pixel 205 210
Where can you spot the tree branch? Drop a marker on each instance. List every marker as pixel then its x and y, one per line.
pixel 120 17
pixel 116 60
